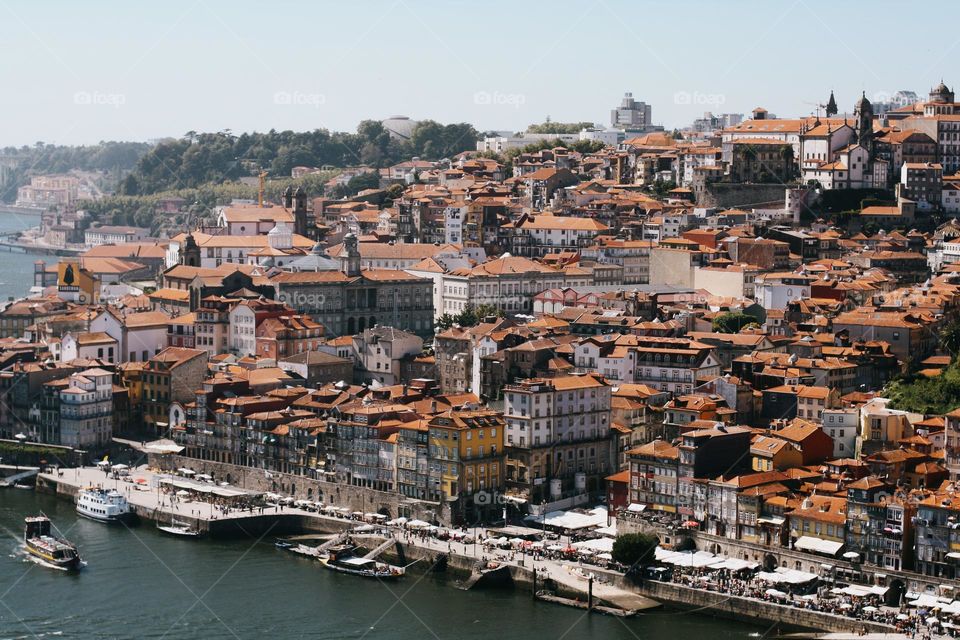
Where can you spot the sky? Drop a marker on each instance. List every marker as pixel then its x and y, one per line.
pixel 81 72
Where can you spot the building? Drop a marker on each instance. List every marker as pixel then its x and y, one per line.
pixel 467 459
pixel 631 114
pixel 317 368
pixel 173 375
pixel 349 300
pixel 98 235
pixel 286 335
pixel 557 437
pixel 86 410
pixel 379 352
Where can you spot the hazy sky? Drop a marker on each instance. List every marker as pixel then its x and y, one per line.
pixel 79 72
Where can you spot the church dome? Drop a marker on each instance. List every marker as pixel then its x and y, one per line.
pixel 280 237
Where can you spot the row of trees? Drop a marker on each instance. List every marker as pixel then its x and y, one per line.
pixel 471 316
pixel 140 210
pixel 200 158
pixel 114 157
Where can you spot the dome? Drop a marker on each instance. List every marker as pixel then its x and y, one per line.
pixel 280 237
pixel 399 126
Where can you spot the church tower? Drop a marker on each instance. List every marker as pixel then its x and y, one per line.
pixel 288 198
pixel 350 258
pixel 300 211
pixel 832 106
pixel 189 252
pixel 863 117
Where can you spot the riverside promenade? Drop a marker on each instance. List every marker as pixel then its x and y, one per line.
pixel 569 578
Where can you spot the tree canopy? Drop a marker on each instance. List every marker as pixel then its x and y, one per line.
pixel 634 548
pixel 559 127
pixel 469 317
pixel 113 158
pixel 200 158
pixel 732 322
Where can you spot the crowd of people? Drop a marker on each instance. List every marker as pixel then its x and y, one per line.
pixel 918 622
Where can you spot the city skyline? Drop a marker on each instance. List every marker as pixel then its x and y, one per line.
pixel 125 77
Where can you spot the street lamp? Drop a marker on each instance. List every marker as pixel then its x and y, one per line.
pixel 20 438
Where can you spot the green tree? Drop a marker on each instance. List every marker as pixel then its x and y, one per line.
pixel 559 127
pixel 950 339
pixel 732 322
pixel 445 321
pixel 632 549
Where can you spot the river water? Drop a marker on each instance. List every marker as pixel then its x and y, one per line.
pixel 16 267
pixel 141 584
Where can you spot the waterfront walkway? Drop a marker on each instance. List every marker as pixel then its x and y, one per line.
pixel 144 489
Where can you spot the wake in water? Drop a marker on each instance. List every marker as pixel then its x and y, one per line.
pixel 20 551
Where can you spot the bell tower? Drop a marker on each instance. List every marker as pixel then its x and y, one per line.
pixel 189 252
pixel 300 211
pixel 350 258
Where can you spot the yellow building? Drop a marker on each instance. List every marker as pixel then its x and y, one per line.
pixel 467 456
pixel 773 454
pixel 819 524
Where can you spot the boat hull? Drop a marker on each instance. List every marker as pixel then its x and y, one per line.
pixel 179 532
pixel 72 563
pixel 96 517
pixel 363 573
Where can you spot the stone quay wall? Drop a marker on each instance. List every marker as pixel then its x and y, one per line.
pixel 302 487
pixel 722 605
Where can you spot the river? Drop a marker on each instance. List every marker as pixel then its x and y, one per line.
pixel 16 267
pixel 141 584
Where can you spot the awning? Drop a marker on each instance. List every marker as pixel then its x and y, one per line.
pixel 636 508
pixel 954 555
pixel 776 520
pixel 809 543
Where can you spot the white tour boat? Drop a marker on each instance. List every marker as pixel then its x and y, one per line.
pixel 103 505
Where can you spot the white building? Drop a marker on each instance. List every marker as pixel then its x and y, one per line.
pixel 508 140
pixel 139 336
pixel 775 290
pixel 86 410
pixel 379 351
pixel 453 218
pixel 509 283
pixel 89 346
pixel 843 425
pixel 556 410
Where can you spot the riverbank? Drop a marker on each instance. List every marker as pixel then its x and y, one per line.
pixel 531 573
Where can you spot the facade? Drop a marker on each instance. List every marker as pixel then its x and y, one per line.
pixel 631 114
pixel 557 436
pixel 380 350
pixel 467 459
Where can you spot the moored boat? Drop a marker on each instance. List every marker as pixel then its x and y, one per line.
pixel 103 505
pixel 41 543
pixel 179 528
pixel 343 558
